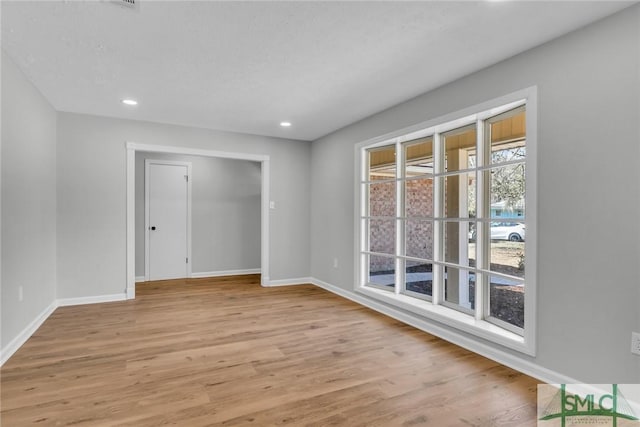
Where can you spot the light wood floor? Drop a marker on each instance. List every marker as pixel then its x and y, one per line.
pixel 228 352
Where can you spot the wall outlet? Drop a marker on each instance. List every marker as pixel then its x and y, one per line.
pixel 20 293
pixel 335 263
pixel 635 343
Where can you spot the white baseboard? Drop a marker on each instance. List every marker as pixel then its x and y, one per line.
pixel 23 336
pixel 286 282
pixel 63 302
pixel 526 367
pixel 140 279
pixel 225 273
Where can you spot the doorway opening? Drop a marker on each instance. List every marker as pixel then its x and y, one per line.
pixel 132 148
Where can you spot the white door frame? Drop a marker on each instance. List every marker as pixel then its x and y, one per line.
pixel 147 223
pixel 132 147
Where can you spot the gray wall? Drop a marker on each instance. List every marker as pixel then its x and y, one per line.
pixel 92 197
pixel 28 202
pixel 588 190
pixel 225 198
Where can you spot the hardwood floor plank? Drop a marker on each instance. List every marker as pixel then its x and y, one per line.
pixel 227 352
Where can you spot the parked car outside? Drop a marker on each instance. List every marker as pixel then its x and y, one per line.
pixel 512 231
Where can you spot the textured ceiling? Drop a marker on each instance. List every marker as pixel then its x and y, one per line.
pixel 246 66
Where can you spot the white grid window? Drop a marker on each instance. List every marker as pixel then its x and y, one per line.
pixel 445 222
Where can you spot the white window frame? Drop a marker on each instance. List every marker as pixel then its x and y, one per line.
pixel 491 329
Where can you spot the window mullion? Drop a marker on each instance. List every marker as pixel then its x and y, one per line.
pixel 400 235
pixel 437 284
pixel 481 293
pixel 363 269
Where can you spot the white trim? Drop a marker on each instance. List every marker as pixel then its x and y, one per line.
pixel 456 119
pixel 531 202
pixel 287 282
pixel 224 273
pixel 147 223
pixel 64 302
pixel 265 219
pixel 131 223
pixel 526 367
pixel 196 152
pixel 26 333
pixel 451 317
pixel 359 205
pixel 132 147
pixel 140 279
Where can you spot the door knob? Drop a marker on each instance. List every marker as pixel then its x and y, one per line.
pixel 152 228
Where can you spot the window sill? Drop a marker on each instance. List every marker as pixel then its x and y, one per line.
pixel 452 318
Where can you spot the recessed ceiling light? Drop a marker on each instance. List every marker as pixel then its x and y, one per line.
pixel 285 124
pixel 130 102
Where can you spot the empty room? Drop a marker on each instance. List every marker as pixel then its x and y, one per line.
pixel 300 213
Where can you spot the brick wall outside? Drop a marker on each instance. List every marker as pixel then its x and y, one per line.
pixel 419 201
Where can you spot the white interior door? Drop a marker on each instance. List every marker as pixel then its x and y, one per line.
pixel 167 213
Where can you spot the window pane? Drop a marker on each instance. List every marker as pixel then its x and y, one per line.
pixel 382 199
pixel 419 239
pixel 382 271
pixel 460 195
pixel 506 300
pixel 473 162
pixel 507 187
pixel 459 243
pixel 419 157
pixel 507 256
pixel 419 197
pixel 419 277
pixel 382 236
pixel 459 287
pixel 382 163
pixel 459 146
pixel 508 138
